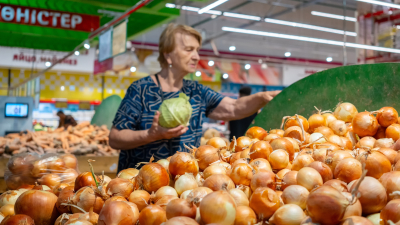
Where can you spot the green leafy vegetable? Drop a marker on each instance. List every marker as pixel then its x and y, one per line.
pixel 175 112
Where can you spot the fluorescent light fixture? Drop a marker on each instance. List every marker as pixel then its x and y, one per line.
pixel 211 63
pixel 264 66
pixel 76 53
pixel 312 27
pixel 232 48
pixel 310 39
pixel 213 16
pixel 242 16
pixel 211 6
pixel 225 76
pixel 288 54
pixel 87 46
pixel 195 9
pixel 247 66
pixel 334 16
pixel 47 64
pixel 62 88
pixel 133 69
pixel 388 4
pixel 329 59
pixel 170 5
pixel 198 73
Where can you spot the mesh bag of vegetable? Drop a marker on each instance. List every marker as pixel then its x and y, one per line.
pixel 175 111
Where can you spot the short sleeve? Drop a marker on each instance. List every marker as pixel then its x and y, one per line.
pixel 211 98
pixel 129 112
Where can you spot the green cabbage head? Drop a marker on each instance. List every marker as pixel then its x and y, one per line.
pixel 175 112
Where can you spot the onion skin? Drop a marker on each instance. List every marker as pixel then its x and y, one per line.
pixel 391 212
pixel 389 153
pixel 7 210
pixel 119 187
pixel 242 174
pixel 260 164
pixel 239 196
pixel 241 144
pixel 356 220
pixel 289 179
pixel 271 137
pixel 374 218
pixel 393 132
pixel 323 169
pixel 345 111
pixel 339 127
pixel 9 197
pixel 326 131
pixel 309 178
pixel 295 194
pixel 264 201
pixel 285 144
pixel 166 190
pixel 280 132
pixel 294 132
pixel 245 216
pixel 181 207
pixel 19 219
pixel 263 179
pixel 198 194
pixel 326 205
pixel 292 121
pixel 301 161
pixel 352 210
pixel 183 162
pixel 38 168
pixel 84 179
pixel 119 213
pixel 384 143
pixel 289 214
pixel 152 177
pixel 373 195
pixel 70 161
pixel 214 169
pixel 181 220
pixel 315 121
pixel 152 215
pixel 115 198
pixel 140 198
pixel 65 195
pixel 391 183
pixel 217 142
pixel 365 124
pixel 206 155
pixel 51 180
pixel 335 157
pixel 348 170
pixel 163 202
pixel 184 183
pixel 129 173
pixel 215 182
pixel 35 199
pixel 387 116
pixel 260 149
pixel 279 159
pixel 218 207
pixel 86 199
pixel 377 164
pixel 57 189
pixel 256 132
pixel 337 184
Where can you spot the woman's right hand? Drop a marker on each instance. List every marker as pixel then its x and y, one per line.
pixel 158 132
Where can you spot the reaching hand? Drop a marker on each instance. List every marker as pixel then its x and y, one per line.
pixel 269 95
pixel 158 132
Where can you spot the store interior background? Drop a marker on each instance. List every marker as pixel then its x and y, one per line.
pixel 228 60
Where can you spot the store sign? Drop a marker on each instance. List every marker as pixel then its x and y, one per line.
pixel 291 74
pixel 48 18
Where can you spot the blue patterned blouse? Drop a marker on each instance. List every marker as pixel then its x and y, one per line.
pixel 139 106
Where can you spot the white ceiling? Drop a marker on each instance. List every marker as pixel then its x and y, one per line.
pixel 270 46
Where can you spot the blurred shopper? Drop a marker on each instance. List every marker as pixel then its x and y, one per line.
pixel 239 127
pixel 65 120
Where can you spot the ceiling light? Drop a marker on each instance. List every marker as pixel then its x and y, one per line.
pixel 260 61
pixel 211 6
pixel 170 5
pixel 232 48
pixel 307 26
pixel 264 66
pixel 62 88
pixel 310 39
pixel 334 16
pixel 195 9
pixel 247 66
pixel 133 69
pixel 391 5
pixel 242 16
pixel 288 54
pixel 213 16
pixel 76 53
pixel 211 63
pixel 198 73
pixel 87 46
pixel 329 59
pixel 47 64
pixel 225 76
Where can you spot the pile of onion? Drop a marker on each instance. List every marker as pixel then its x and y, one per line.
pixel 152 177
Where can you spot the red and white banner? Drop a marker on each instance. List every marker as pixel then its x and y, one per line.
pixel 48 18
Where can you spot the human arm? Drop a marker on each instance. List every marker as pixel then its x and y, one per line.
pixel 234 109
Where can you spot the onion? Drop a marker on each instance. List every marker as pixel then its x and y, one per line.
pixel 185 182
pixel 239 196
pixel 51 180
pixel 345 111
pixel 241 144
pixel 141 199
pixel 294 132
pixel 215 182
pixel 234 157
pixel 214 169
pixel 218 207
pixel 292 121
pixel 397 158
pixel 348 169
pixel 368 142
pixel 56 165
pixel 335 157
pixel 279 159
pixel 393 131
pixel 119 212
pixel 264 201
pixel 391 183
pixel 152 177
pixel 336 140
pixel 289 179
pixel 198 194
pixel 78 222
pixel 183 162
pixel 39 168
pixel 115 198
pixel 163 191
pixel 119 187
pixel 7 210
pixel 285 144
pixel 326 131
pixel 65 196
pixel 384 143
pixel 295 194
pixel 338 127
pixel 282 173
pixel 260 149
pixel 389 153
pixel 322 169
pixel 315 121
pixel 263 179
pixel 181 207
pixel 354 209
pixel 391 212
pixel 309 178
pixel 337 184
pixel 42 188
pixel 85 179
pixel 348 144
pixel 14 182
pixel 163 201
pixel 295 143
pixel 216 142
pixel 375 218
pixel 271 137
pixel 17 220
pixel 365 124
pixel 241 174
pixel 208 134
pixel 289 214
pixel 302 161
pixel 356 220
pixel 256 132
pixel 206 155
pixel 153 215
pixel 9 197
pixel 381 133
pixel 373 195
pixel 326 205
pixel 181 220
pixel 387 116
pixel 185 194
pixel 277 131
pixel 164 163
pixel 129 173
pixel 69 176
pixel 86 198
pixel 376 164
pixel 245 153
pixel 44 203
pixel 245 216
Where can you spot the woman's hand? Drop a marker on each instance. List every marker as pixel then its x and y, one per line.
pixel 158 132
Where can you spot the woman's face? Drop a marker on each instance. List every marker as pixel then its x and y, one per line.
pixel 185 56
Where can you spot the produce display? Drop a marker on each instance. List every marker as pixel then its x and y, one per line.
pixel 83 139
pixel 333 168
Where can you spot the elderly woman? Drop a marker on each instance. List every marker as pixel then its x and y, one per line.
pixel 136 130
